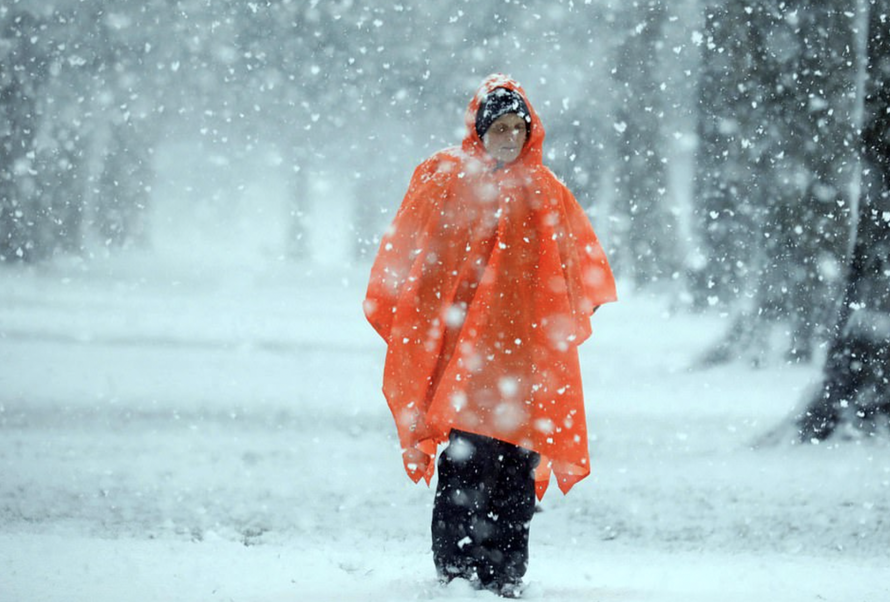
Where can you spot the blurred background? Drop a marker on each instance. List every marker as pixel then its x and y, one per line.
pixel 714 143
pixel 191 194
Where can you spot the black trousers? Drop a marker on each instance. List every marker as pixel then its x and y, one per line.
pixel 484 505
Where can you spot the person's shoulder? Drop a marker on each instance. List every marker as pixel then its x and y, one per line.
pixel 550 175
pixel 442 163
pixel 453 155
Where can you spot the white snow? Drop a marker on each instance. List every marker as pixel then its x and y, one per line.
pixel 184 431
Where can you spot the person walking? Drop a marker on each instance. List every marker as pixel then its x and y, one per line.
pixel 483 288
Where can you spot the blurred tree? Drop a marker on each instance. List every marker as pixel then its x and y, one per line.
pixel 123 186
pixel 645 239
pixel 817 167
pixel 775 164
pixel 125 34
pixel 722 176
pixel 578 131
pixel 61 185
pixel 65 134
pixel 24 69
pixel 854 397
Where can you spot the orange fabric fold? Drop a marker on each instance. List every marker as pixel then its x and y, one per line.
pixel 483 289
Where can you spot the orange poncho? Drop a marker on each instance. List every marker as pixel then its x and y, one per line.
pixel 483 289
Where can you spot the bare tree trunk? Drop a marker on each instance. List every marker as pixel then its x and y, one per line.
pixel 855 394
pixel 23 72
pixel 126 178
pixel 298 189
pixel 775 159
pixel 646 240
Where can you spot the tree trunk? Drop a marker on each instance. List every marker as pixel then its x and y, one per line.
pixel 775 159
pixel 854 397
pixel 645 236
pixel 298 189
pixel 127 175
pixel 22 75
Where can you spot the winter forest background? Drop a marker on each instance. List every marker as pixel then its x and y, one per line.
pixel 734 156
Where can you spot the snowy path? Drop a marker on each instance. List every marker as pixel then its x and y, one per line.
pixel 173 433
pixel 66 568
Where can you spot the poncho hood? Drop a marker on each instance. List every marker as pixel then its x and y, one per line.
pixel 472 144
pixel 483 288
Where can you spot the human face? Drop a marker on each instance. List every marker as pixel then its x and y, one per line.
pixel 505 138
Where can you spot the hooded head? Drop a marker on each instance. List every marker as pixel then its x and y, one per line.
pixel 500 95
pixel 496 104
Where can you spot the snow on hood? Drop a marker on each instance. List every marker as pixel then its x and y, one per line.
pixel 532 152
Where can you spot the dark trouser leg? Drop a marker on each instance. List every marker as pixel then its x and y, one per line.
pixel 465 482
pixel 485 500
pixel 510 511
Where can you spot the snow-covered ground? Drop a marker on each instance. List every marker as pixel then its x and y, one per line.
pixel 202 432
